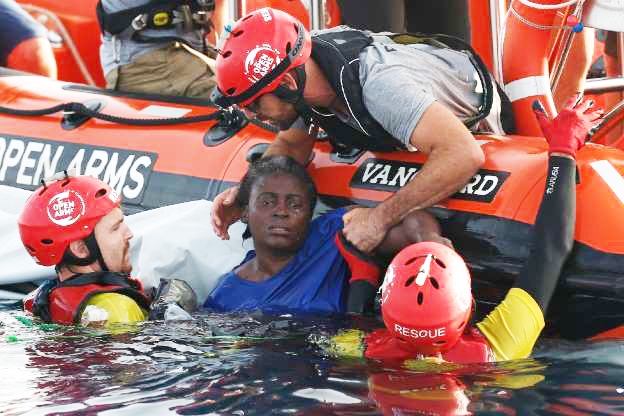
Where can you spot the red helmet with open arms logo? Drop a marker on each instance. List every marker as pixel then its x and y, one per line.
pixel 61 212
pixel 260 48
pixel 426 297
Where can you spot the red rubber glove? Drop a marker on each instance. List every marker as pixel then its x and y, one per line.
pixel 567 132
pixel 362 267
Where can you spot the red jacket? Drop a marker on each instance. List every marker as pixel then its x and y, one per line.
pixel 63 302
pixel 472 347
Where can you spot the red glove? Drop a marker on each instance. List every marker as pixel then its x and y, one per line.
pixel 362 266
pixel 568 131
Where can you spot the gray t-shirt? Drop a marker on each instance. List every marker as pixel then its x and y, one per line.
pixel 121 50
pixel 400 82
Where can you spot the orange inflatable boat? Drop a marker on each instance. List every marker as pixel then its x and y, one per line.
pixel 488 220
pixel 198 151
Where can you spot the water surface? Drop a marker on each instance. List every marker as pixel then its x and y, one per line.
pixel 252 365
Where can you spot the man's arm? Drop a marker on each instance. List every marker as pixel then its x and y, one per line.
pixel 294 142
pixel 453 157
pixel 34 55
pixel 418 226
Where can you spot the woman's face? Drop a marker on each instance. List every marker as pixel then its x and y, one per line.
pixel 278 213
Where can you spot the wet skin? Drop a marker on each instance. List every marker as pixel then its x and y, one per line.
pixel 113 237
pixel 278 216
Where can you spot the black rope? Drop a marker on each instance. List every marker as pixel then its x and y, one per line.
pixel 81 109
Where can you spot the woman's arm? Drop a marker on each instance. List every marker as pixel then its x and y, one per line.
pixel 365 270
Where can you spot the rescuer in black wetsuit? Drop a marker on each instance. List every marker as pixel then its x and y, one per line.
pixel 426 298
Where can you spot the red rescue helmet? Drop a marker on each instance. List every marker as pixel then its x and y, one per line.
pixel 63 211
pixel 427 300
pixel 410 393
pixel 259 50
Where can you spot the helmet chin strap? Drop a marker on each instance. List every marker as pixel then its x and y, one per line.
pixel 295 97
pixel 94 251
pixel 95 255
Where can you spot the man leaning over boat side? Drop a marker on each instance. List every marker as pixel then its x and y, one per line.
pixel 76 224
pixel 406 94
pixel 157 47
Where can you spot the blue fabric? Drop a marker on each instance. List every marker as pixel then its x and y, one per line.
pixel 16 26
pixel 314 281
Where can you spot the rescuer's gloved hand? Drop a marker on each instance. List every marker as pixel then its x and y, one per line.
pixel 364 279
pixel 567 132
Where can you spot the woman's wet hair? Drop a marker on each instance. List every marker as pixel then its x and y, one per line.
pixel 275 166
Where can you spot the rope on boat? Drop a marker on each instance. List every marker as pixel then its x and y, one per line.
pixel 81 109
pixel 530 23
pixel 539 6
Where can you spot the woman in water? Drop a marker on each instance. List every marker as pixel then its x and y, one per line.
pixel 300 264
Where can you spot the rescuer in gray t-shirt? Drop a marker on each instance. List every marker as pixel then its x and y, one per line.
pixel 400 82
pixel 402 96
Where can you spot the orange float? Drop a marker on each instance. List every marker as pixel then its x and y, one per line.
pixel 529 31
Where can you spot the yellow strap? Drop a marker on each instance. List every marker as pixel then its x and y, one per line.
pixel 120 309
pixel 347 344
pixel 513 327
pixel 430 365
pixel 210 62
pixel 513 381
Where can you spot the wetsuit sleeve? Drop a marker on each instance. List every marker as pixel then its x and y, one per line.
pixel 553 234
pixel 364 280
pixel 513 327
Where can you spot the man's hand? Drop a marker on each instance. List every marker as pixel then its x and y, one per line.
pixel 363 228
pixel 567 132
pixel 225 212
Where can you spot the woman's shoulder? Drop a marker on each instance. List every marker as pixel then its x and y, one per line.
pixel 331 215
pixel 328 222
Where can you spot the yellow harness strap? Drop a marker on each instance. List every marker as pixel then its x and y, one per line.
pixel 347 344
pixel 119 309
pixel 513 327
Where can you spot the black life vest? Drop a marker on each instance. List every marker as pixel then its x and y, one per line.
pixel 155 15
pixel 337 54
pixel 64 302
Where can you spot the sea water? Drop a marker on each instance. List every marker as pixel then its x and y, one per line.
pixel 254 365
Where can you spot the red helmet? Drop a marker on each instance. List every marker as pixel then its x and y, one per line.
pixel 427 300
pixel 260 48
pixel 61 212
pixel 410 393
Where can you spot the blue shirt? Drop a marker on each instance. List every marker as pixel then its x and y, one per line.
pixel 16 26
pixel 315 280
